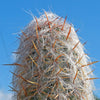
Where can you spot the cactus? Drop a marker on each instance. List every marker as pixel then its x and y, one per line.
pixel 51 63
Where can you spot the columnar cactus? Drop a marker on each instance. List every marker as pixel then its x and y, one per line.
pixel 51 63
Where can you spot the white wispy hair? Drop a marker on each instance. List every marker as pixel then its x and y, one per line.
pixel 80 86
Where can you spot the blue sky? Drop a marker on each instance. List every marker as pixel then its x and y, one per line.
pixel 84 14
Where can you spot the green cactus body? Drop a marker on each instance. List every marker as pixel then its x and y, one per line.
pixel 51 63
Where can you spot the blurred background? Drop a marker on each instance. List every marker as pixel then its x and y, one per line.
pixel 16 14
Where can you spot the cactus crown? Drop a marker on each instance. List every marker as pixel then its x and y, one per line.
pixel 51 64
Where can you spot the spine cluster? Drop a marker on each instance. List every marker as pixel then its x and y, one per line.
pixel 51 63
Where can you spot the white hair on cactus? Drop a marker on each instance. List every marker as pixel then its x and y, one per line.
pixel 52 62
